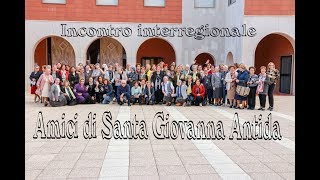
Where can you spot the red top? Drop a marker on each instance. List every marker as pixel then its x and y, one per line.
pixel 198 90
pixel 67 74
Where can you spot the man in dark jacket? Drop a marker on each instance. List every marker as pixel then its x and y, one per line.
pixel 206 81
pixel 156 80
pixel 123 93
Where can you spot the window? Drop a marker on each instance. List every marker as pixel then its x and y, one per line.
pixel 155 3
pixel 231 2
pixel 204 3
pixel 107 2
pixel 54 1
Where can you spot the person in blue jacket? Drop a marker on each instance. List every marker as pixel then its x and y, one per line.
pixel 107 92
pixel 123 93
pixel 242 79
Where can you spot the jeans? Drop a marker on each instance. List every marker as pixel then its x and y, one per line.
pixel 107 99
pixel 149 98
pixel 270 94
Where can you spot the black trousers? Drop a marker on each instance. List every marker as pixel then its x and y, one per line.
pixel 208 95
pixel 127 95
pixel 198 100
pixel 158 95
pixel 262 98
pixel 252 97
pixel 70 101
pixel 270 94
pixel 134 100
pixel 99 97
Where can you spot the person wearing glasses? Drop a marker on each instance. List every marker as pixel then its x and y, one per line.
pixel 252 84
pixel 189 84
pixel 119 76
pixel 156 81
pixel 263 86
pixel 230 80
pixel 274 75
pixel 242 79
pixel 132 76
pixel 81 93
pixel 217 87
pixel 96 72
pixel 68 93
pixel 57 97
pixel 167 90
pixel 149 94
pixel 181 93
pixel 123 93
pixel 34 76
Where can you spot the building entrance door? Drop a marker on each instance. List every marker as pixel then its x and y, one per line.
pixel 150 60
pixel 285 74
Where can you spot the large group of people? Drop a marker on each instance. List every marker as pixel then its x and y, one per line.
pixel 182 85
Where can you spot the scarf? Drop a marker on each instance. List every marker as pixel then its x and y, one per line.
pixel 261 83
pixel 69 92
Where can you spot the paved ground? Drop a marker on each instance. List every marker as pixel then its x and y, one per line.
pixel 159 159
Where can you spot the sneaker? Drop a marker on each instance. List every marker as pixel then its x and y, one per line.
pixel 200 104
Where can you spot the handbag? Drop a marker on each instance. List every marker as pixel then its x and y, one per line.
pixel 242 91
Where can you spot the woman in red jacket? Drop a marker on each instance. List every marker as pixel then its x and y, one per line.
pixel 198 91
pixel 64 74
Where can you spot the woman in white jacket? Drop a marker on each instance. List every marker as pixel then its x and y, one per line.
pixel 230 79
